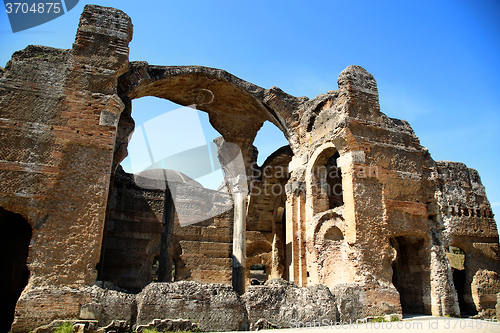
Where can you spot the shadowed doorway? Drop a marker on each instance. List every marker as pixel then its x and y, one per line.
pixel 411 273
pixel 15 236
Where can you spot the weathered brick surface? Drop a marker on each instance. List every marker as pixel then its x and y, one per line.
pixel 469 224
pixel 216 307
pixel 283 304
pixel 57 176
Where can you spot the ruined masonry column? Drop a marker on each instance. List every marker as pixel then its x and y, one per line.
pixel 167 236
pixel 231 160
pixel 239 190
pixel 295 265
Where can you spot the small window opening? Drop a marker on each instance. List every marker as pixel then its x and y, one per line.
pixel 334 181
pixel 334 234
pixel 154 269
pixel 258 274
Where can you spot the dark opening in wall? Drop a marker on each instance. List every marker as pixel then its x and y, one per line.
pixel 154 268
pixel 460 282
pixel 334 234
pixel 326 181
pixel 334 181
pixel 411 273
pixel 15 237
pixel 258 274
pixel 457 259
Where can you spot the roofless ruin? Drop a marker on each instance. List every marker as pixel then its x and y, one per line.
pixel 405 233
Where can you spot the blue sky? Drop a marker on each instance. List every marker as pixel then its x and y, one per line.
pixel 436 62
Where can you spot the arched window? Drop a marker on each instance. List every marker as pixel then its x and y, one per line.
pixel 334 234
pixel 326 181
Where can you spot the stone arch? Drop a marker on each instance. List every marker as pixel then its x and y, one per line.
pixel 329 250
pixel 333 234
pixel 258 248
pixel 258 252
pixel 320 192
pixel 235 107
pixel 325 222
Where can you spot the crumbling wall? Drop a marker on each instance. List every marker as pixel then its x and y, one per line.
pixel 132 236
pixel 388 196
pixel 210 307
pixel 469 225
pixel 265 216
pixel 283 305
pixel 59 111
pixel 202 251
pixel 214 307
pixel 387 192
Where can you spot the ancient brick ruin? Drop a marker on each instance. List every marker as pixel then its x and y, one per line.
pixel 405 234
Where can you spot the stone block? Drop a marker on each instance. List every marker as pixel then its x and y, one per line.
pixel 213 307
pixel 283 303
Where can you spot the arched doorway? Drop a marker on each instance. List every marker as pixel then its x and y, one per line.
pixel 15 237
pixel 331 249
pixel 325 211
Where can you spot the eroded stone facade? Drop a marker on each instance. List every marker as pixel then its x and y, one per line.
pixel 381 243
